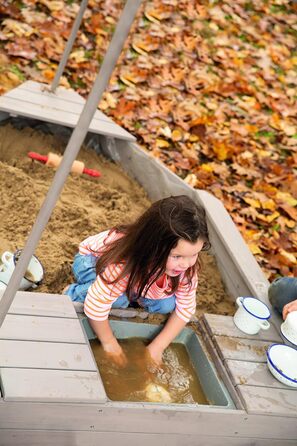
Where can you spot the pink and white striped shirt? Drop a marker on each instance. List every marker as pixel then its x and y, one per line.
pixel 101 295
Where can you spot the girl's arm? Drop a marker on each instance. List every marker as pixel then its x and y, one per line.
pixel 108 340
pixel 185 308
pixel 172 329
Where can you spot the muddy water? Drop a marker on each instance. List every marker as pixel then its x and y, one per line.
pixel 174 382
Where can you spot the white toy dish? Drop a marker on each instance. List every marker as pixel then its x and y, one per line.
pixel 282 363
pixel 289 328
pixel 32 277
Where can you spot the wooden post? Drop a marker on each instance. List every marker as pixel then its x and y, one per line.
pixel 69 45
pixel 72 149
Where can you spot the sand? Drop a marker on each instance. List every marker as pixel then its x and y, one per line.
pixel 86 206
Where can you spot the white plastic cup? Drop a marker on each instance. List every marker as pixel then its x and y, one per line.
pixel 252 315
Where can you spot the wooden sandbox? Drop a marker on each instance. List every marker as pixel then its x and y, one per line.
pixel 51 390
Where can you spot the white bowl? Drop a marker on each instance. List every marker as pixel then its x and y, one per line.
pixel 282 363
pixel 288 337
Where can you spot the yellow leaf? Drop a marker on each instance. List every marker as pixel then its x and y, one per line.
pixel 251 234
pixel 78 56
pixel 18 28
pixel 112 102
pixel 162 143
pixel 193 138
pixel 138 49
pixel 221 151
pixel 126 81
pixel 287 198
pixel 206 168
pixel 176 135
pixel 290 223
pixel 268 218
pixel 53 5
pixel 269 204
pixel 252 202
pixel 99 40
pixel 272 217
pixel 254 248
pixel 263 153
pixel 282 78
pixel 191 179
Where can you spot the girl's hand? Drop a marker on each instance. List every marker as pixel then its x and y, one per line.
pixel 154 354
pixel 291 306
pixel 115 352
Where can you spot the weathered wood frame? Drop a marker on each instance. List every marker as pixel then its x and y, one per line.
pixel 43 423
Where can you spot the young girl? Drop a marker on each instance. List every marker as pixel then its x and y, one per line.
pixel 153 262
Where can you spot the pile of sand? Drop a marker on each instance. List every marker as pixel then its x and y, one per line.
pixel 86 206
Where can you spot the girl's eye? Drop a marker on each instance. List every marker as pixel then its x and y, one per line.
pixel 176 257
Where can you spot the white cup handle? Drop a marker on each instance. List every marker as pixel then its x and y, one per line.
pixel 264 325
pixel 5 256
pixel 239 301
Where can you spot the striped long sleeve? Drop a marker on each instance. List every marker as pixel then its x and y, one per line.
pixel 101 295
pixel 94 244
pixel 186 299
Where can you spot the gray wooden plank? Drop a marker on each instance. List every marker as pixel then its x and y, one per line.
pixel 219 325
pixel 241 349
pixel 252 374
pixel 53 102
pixel 39 328
pixel 220 367
pixel 51 385
pixel 62 92
pixel 10 437
pixel 145 418
pixel 59 116
pixel 36 111
pixel 42 304
pixel 40 90
pixel 46 355
pixel 264 400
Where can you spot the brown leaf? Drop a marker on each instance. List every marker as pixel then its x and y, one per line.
pixel 289 210
pixel 21 49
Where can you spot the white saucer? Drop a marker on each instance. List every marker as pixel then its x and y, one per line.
pixel 288 336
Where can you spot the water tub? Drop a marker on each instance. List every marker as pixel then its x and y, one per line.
pixel 213 387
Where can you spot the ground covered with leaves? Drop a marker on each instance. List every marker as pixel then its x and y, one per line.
pixel 209 87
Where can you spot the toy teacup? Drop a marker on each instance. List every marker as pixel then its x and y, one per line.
pixel 252 315
pixel 32 277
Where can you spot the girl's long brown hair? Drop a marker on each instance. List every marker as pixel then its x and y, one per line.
pixel 146 244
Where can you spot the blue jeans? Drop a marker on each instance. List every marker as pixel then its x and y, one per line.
pixel 282 291
pixel 84 271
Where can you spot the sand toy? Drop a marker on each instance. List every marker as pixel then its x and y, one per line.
pixel 54 160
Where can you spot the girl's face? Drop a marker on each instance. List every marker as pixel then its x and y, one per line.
pixel 182 257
